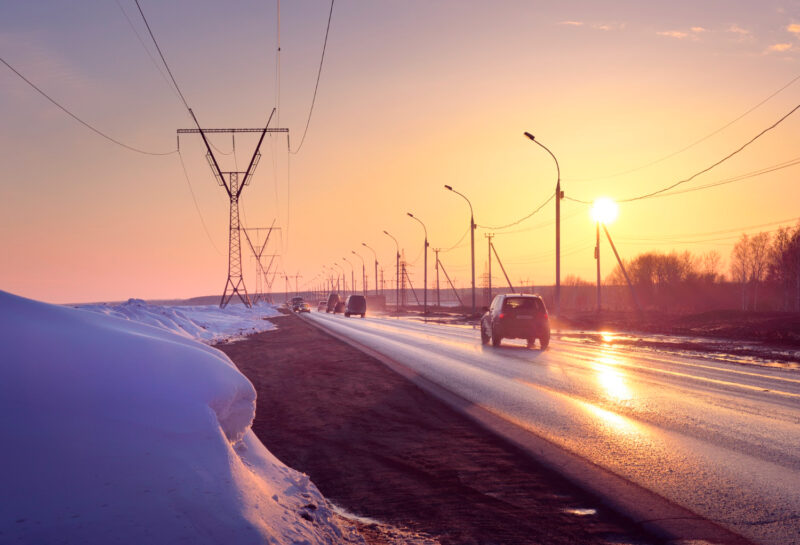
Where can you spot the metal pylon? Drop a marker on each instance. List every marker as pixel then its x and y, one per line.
pixel 235 279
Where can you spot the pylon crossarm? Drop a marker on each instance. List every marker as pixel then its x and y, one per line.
pixel 254 160
pixel 217 170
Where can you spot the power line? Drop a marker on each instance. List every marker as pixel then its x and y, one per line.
pixel 141 42
pixel 316 85
pixel 695 175
pixel 703 139
pixel 521 219
pixel 160 54
pixel 666 238
pixel 197 207
pixel 81 121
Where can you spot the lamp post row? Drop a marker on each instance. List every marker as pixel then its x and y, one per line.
pixel 472 226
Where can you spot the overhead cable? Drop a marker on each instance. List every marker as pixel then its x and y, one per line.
pixel 703 139
pixel 521 219
pixel 81 121
pixel 197 207
pixel 316 85
pixel 696 174
pixel 160 54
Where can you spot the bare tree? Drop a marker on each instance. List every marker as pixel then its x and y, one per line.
pixel 759 259
pixel 740 265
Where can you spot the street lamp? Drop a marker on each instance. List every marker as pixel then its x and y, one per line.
pixel 559 196
pixel 364 244
pixel 471 240
pixel 338 287
pixel 604 210
pixel 425 265
pixel 352 275
pixel 363 272
pixel 397 272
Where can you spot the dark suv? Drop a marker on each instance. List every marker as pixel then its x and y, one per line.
pixel 356 304
pixel 333 300
pixel 516 316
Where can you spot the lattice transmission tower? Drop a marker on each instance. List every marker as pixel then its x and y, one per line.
pixel 233 185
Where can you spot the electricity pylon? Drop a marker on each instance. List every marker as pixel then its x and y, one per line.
pixel 233 187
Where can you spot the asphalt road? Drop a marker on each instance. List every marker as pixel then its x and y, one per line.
pixel 720 439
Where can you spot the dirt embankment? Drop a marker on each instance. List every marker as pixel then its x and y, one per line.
pixel 380 447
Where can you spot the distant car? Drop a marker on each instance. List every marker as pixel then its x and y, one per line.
pixel 356 304
pixel 296 303
pixel 339 308
pixel 516 316
pixel 322 305
pixel 333 299
pixel 304 307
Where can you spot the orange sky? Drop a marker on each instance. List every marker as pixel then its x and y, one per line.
pixel 413 95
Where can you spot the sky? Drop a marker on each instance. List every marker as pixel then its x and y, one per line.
pixel 630 98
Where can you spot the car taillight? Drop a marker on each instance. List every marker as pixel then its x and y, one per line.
pixel 501 315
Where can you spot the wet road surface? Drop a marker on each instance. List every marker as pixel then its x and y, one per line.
pixel 720 439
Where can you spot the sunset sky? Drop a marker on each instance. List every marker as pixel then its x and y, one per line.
pixel 413 95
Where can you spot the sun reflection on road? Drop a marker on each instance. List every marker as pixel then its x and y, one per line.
pixel 611 378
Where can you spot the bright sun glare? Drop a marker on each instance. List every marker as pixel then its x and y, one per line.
pixel 604 210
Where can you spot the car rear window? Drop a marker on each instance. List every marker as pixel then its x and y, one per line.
pixel 523 303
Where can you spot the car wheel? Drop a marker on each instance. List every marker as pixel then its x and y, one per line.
pixel 484 336
pixel 363 315
pixel 544 340
pixel 346 314
pixel 531 342
pixel 496 339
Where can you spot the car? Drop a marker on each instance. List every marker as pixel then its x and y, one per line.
pixel 516 316
pixel 296 302
pixel 333 299
pixel 339 308
pixel 322 305
pixel 356 304
pixel 304 307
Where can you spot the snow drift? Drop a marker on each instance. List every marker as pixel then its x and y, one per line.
pixel 205 323
pixel 116 431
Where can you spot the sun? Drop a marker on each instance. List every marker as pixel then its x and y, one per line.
pixel 604 210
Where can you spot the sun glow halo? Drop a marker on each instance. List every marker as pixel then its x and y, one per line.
pixel 604 210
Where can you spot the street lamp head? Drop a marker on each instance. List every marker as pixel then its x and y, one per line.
pixel 604 210
pixel 410 215
pixel 448 187
pixel 364 244
pixel 529 135
pixel 385 232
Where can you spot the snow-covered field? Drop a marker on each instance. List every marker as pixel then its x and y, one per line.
pixel 206 323
pixel 118 426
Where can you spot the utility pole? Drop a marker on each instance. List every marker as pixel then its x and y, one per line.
pixel 472 228
pixel 425 261
pixel 438 301
pixel 559 195
pixel 397 271
pixel 233 187
pixel 489 236
pixel 597 257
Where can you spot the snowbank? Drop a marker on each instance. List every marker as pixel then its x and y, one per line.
pixel 205 323
pixel 117 432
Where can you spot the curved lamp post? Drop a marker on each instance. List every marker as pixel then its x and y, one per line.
pixel 397 272
pixel 559 196
pixel 338 288
pixel 363 271
pixel 471 240
pixel 352 275
pixel 425 274
pixel 374 253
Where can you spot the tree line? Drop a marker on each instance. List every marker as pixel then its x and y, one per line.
pixel 764 275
